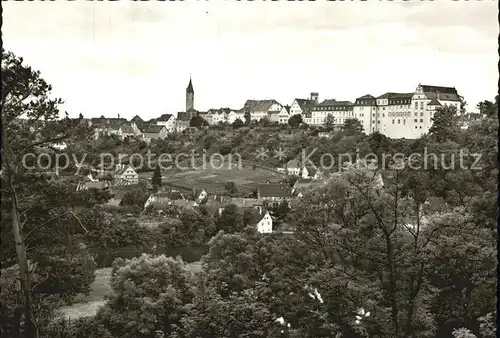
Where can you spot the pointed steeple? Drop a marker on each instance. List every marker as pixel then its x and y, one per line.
pixel 189 88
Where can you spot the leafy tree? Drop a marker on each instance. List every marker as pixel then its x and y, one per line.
pixel 134 198
pixel 230 188
pixel 230 220
pixel 248 117
pixel 25 94
pixel 156 180
pixel 329 122
pixel 352 127
pixel 444 126
pixel 149 296
pixel 295 120
pixel 238 123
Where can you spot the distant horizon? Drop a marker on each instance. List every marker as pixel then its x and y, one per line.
pixel 136 58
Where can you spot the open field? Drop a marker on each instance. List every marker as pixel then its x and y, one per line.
pixel 213 179
pixel 88 306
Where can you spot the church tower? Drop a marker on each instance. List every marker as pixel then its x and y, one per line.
pixel 189 96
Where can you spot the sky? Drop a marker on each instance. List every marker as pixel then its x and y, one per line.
pixel 135 58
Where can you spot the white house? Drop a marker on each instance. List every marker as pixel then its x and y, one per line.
pixel 126 173
pixel 167 120
pixel 304 106
pixel 339 110
pixel 153 132
pixel 262 108
pixel 265 224
pixel 284 115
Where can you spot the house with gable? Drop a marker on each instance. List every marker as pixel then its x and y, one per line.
pixel 126 174
pixel 272 194
pixel 164 197
pixel 262 108
pixel 167 120
pixel 304 107
pixel 183 121
pixel 154 132
pixel 284 115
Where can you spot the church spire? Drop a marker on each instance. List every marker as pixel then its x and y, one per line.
pixel 189 88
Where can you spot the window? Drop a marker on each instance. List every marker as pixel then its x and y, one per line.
pixel 421 120
pixel 399 122
pixel 416 120
pixel 415 127
pixel 420 127
pixel 404 122
pixel 416 105
pixel 422 114
pixel 416 114
pixel 392 121
pixel 421 105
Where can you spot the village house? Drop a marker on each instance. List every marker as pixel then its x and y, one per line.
pixel 304 107
pixel 154 132
pixel 126 174
pixel 301 186
pixel 199 195
pixel 183 121
pixel 167 120
pixel 284 115
pixel 261 109
pixel 164 198
pixel 273 194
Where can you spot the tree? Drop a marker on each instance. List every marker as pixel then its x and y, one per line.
pixel 230 220
pixel 444 126
pixel 26 94
pixel 248 117
pixel 352 127
pixel 238 123
pixel 149 296
pixel 230 187
pixel 329 122
pixel 197 122
pixel 156 180
pixel 295 120
pixel 134 198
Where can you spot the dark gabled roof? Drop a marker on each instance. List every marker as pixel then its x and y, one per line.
pixel 443 96
pixel 434 102
pixel 264 105
pixel 274 190
pixel 152 129
pixel 433 89
pixel 401 96
pixel 122 170
pixel 306 105
pixel 294 163
pixel 137 118
pixel 366 100
pixel 184 116
pixel 287 109
pixel 189 88
pixel 333 103
pixel 164 117
pixel 127 128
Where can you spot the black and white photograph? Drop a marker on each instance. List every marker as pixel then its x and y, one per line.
pixel 249 169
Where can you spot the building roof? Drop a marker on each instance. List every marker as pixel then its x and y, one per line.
pixel 306 105
pixel 137 118
pixel 274 190
pixel 401 96
pixel 434 89
pixel 293 163
pixel 153 129
pixel 242 202
pixel 331 103
pixel 183 116
pixel 189 88
pixel 164 117
pixel 123 169
pixel 261 105
pixel 127 128
pixel 96 185
pixel 434 102
pixel 286 108
pixel 443 96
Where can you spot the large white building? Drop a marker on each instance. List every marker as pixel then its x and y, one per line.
pixel 396 115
